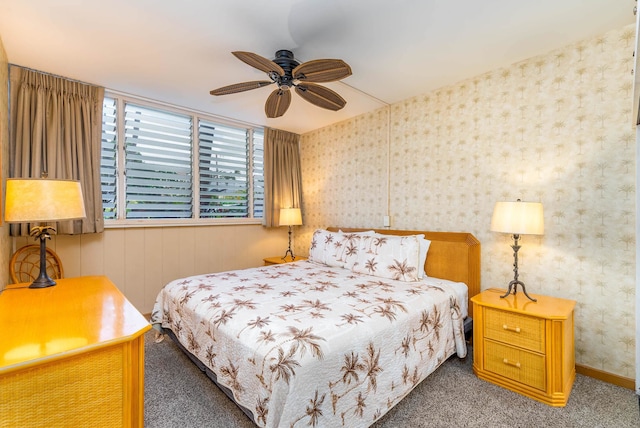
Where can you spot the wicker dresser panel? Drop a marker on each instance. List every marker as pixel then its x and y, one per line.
pixel 519 330
pixel 515 363
pixel 81 391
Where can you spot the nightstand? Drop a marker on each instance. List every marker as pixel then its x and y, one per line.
pixel 525 346
pixel 279 260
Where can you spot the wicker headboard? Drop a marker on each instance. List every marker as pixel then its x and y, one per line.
pixel 452 255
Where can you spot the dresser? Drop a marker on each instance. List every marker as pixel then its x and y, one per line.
pixel 525 346
pixel 71 355
pixel 279 260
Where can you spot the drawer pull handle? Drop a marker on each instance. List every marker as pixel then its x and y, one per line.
pixel 514 329
pixel 510 363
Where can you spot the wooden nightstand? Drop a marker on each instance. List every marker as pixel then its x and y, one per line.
pixel 525 346
pixel 279 260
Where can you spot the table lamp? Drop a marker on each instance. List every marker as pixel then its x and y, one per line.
pixel 41 200
pixel 290 217
pixel 517 218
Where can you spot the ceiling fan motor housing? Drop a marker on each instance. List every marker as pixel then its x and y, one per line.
pixel 284 58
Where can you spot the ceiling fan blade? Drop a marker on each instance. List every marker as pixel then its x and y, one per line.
pixel 277 103
pixel 259 62
pixel 240 87
pixel 320 96
pixel 322 70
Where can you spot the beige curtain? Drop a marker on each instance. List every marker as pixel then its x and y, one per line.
pixel 282 174
pixel 56 129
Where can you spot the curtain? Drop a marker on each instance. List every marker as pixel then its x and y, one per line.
pixel 282 174
pixel 56 131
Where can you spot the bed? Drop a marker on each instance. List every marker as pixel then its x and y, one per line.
pixel 336 340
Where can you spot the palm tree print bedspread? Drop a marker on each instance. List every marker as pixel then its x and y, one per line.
pixel 303 344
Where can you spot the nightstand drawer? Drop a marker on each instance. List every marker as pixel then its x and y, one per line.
pixel 514 329
pixel 517 364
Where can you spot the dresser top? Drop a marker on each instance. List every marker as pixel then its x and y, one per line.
pixel 545 307
pixel 75 315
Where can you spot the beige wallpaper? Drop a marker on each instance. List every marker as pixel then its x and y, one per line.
pixel 5 241
pixel 556 129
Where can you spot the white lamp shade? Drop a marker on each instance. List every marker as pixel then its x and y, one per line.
pixel 42 199
pixel 290 217
pixel 518 218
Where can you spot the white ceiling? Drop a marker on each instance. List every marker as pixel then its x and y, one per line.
pixel 177 51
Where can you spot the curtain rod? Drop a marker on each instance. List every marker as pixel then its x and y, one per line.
pixel 53 75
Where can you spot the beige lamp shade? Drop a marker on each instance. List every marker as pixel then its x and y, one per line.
pixel 518 218
pixel 42 199
pixel 290 217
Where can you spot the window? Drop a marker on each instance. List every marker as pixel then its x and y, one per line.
pixel 166 165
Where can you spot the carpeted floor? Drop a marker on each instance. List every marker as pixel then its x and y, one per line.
pixel 178 394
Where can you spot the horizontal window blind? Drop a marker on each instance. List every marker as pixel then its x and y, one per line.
pixel 156 166
pixel 108 155
pixel 157 163
pixel 223 167
pixel 258 173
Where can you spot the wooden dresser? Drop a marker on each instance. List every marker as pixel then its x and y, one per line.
pixel 525 346
pixel 71 355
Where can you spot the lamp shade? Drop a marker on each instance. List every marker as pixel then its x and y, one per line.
pixel 290 217
pixel 518 218
pixel 42 199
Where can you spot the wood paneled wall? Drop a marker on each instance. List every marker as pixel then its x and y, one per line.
pixel 140 261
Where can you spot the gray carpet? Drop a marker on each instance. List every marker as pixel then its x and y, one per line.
pixel 178 394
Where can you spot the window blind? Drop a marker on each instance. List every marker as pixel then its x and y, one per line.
pixel 157 163
pixel 108 156
pixel 258 173
pixel 223 166
pixel 169 163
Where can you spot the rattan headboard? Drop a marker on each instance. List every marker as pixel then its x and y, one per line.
pixel 452 255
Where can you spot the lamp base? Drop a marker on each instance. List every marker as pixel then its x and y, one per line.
pixel 43 280
pixel 289 249
pixel 289 252
pixel 514 285
pixel 42 283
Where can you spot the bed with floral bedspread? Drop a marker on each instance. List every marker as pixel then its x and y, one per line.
pixel 327 342
pixel 309 344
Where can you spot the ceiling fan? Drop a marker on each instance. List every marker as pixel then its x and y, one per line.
pixel 286 72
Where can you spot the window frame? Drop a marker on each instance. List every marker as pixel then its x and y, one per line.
pixel 121 222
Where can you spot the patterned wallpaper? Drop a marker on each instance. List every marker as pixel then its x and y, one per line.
pixel 556 129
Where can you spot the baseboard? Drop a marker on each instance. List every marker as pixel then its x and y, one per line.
pixel 624 382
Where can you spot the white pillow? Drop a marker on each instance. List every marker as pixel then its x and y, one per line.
pixel 334 248
pixel 424 249
pixel 389 256
pixel 321 244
